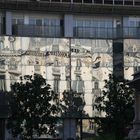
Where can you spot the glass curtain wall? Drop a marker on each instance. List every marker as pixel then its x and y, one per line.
pixel 131 57
pixel 78 64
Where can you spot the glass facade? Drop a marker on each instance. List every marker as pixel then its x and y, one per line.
pixel 99 27
pixel 101 2
pixel 78 64
pixel 98 46
pixel 131 57
pixel 81 65
pixel 37 26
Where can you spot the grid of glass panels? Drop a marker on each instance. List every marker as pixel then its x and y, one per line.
pixel 78 64
pixel 94 27
pixel 108 2
pixel 131 57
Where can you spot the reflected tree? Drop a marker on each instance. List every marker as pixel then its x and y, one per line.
pixel 116 101
pixel 72 105
pixel 33 107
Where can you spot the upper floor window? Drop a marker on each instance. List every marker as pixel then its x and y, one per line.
pixel 52 22
pixel 18 21
pixel 38 26
pixel 131 22
pixel 37 22
pixel 106 23
pixel 46 22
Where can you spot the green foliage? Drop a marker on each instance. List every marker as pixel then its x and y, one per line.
pixel 117 102
pixel 33 107
pixel 72 105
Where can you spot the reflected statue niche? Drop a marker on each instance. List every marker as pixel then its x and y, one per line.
pixel 12 40
pixel 37 65
pixel 2 63
pixel 78 64
pixel 96 91
pixel 2 82
pixel 78 84
pixel 56 75
pixel 13 78
pixel 56 62
pixel 12 64
pixel 1 45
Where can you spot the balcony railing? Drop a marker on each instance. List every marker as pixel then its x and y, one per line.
pixel 106 33
pixel 96 2
pixel 34 30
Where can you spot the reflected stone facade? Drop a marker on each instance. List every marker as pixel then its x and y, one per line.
pixel 78 64
pixel 131 57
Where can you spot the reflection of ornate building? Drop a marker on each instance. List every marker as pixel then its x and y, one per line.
pixel 52 59
pixel 71 43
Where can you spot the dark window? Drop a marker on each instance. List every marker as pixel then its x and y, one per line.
pixel 18 21
pixel 39 22
pixel 108 1
pixel 44 0
pixel 32 21
pixel 137 2
pixel 2 128
pixel 61 22
pixel 96 85
pixel 98 1
pixel 77 1
pixel 118 59
pixel 128 2
pixel 118 2
pixel 66 0
pixel 55 0
pixel 56 83
pixel 87 1
pixel 2 83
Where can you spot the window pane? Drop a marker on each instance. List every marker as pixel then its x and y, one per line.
pixel 14 21
pixel 46 22
pixel 20 21
pixel 32 21
pixel 39 22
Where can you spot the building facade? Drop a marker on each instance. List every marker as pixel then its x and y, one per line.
pixel 74 44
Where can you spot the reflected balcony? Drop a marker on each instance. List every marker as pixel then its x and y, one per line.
pixel 56 71
pixel 34 30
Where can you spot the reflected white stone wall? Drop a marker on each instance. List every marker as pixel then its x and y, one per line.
pixel 131 57
pixel 85 63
